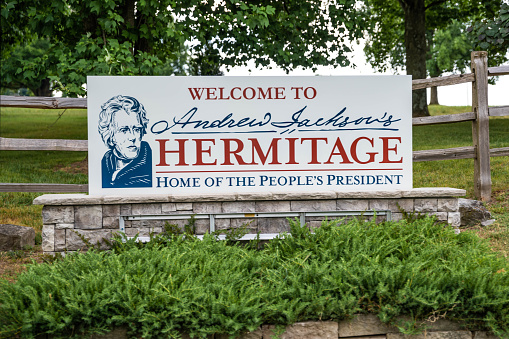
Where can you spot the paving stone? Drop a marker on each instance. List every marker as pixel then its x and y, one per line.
pixel 312 205
pixel 426 205
pixel 60 240
pixel 207 207
pixel 433 335
pixel 272 206
pixel 48 238
pixel 57 214
pixel 364 325
pixel 352 205
pixel 238 207
pixel 448 205
pixel 146 209
pixel 407 205
pixel 111 210
pixel 14 237
pixel 88 217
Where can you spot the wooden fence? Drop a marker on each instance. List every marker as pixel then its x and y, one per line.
pixel 480 150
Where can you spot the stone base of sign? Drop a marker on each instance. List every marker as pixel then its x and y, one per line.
pixel 69 217
pixel 362 326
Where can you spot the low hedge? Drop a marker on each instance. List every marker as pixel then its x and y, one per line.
pixel 177 284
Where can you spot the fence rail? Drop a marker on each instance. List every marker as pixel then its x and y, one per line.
pixel 480 150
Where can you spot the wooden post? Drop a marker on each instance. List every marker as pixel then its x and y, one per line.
pixel 480 126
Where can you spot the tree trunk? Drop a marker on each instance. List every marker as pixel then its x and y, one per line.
pixel 44 89
pixel 434 96
pixel 415 45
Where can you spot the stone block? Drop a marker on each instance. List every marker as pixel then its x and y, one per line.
pixel 64 226
pixel 425 205
pixel 441 216
pixel 14 237
pixel 273 225
pixel 48 238
pixel 312 205
pixel 249 335
pixel 184 206
pixel 314 224
pixel 168 207
pixel 88 217
pixel 207 207
pixel 308 330
pixel 110 222
pixel 142 231
pixel 397 216
pixel 60 240
pixel 116 333
pixel 57 215
pixel 74 242
pixel 111 210
pixel 244 222
pixel 433 324
pixel 222 224
pixel 126 209
pixel 406 204
pixel 378 204
pixel 454 219
pixel 147 223
pixel 272 206
pixel 433 335
pixel 202 226
pixel 352 205
pixel 448 205
pixel 364 325
pixel 484 335
pixel 146 209
pixel 238 207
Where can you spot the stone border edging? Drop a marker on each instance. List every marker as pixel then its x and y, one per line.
pixel 83 199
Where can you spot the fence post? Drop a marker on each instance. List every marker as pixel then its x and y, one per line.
pixel 480 126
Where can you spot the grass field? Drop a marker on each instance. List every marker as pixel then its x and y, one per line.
pixel 60 167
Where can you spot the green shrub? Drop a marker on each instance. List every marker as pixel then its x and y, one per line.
pixel 165 288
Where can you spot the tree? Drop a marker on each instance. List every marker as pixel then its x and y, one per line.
pixel 449 51
pixel 27 67
pixel 129 37
pixel 492 35
pixel 397 36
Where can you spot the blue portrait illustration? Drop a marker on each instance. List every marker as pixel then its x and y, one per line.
pixel 128 161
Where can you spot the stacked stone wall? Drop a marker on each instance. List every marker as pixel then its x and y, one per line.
pixel 363 326
pixel 68 217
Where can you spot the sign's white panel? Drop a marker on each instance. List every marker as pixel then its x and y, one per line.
pixel 201 135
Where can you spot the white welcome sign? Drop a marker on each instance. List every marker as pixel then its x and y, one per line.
pixel 200 135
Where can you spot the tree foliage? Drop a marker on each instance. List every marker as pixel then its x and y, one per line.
pixel 492 35
pixel 128 37
pixel 407 33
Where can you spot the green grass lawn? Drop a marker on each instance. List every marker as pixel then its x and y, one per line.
pixel 50 167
